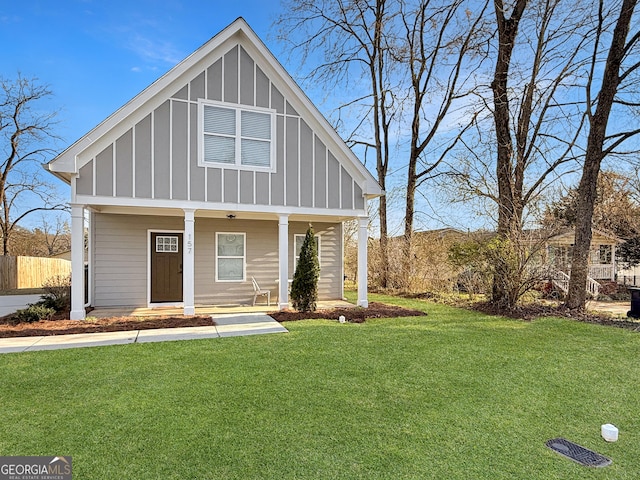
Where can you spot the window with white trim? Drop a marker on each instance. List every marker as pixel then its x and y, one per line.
pixel 298 241
pixel 604 254
pixel 166 243
pixel 230 257
pixel 239 137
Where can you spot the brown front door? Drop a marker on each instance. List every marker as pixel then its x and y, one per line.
pixel 166 267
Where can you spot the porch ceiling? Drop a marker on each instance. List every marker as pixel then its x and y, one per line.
pixel 215 213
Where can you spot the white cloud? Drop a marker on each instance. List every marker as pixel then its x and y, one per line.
pixel 154 51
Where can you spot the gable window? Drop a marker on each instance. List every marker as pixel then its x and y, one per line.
pixel 238 137
pixel 298 241
pixel 230 257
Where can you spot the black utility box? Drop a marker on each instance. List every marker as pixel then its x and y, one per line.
pixel 635 302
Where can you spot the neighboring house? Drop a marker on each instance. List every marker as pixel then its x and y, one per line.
pixel 63 255
pixel 209 177
pixel 602 259
pixel 602 256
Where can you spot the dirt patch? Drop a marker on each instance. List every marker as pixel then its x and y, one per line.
pixel 353 315
pixel 114 324
pixel 533 311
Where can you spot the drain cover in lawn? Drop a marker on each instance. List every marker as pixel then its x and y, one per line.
pixel 578 454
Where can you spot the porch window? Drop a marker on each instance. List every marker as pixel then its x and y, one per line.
pixel 298 241
pixel 230 257
pixel 605 254
pixel 238 137
pixel 560 256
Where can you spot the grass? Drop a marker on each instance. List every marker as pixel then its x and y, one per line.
pixel 455 395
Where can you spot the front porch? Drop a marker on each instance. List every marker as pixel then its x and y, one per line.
pixel 106 312
pixel 602 254
pixel 125 269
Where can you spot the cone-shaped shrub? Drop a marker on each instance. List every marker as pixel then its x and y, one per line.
pixel 304 289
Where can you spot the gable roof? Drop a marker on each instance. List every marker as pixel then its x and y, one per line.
pixel 68 163
pixel 569 234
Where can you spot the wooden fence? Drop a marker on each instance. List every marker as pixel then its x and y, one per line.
pixel 30 272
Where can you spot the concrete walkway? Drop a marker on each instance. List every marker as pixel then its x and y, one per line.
pixel 225 326
pixel 616 309
pixel 13 303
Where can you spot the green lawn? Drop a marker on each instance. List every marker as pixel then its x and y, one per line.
pixel 454 395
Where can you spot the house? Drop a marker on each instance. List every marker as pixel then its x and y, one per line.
pixel 208 178
pixel 602 255
pixel 602 259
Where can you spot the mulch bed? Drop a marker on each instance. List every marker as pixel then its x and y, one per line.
pixel 62 326
pixel 533 311
pixel 353 315
pixel 114 324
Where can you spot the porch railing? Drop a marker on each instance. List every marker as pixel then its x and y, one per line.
pixel 593 287
pixel 601 272
pixel 561 282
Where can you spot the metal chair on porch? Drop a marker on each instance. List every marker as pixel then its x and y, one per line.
pixel 257 291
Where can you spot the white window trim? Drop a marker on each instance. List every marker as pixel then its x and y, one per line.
pixel 244 257
pixel 296 257
pixel 237 108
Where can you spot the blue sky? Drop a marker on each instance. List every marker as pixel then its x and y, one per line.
pixel 96 55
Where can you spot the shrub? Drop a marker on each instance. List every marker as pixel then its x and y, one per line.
pixel 57 293
pixel 34 313
pixel 304 289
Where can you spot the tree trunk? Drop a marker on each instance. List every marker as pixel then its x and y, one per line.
pixel 407 258
pixel 576 296
pixel 507 217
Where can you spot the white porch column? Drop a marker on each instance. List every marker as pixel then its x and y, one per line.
pixel 188 270
pixel 363 235
pixel 77 263
pixel 283 258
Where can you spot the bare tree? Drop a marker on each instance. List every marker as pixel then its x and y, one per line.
pixel 621 66
pixel 353 38
pixel 440 40
pixel 56 235
pixel 51 236
pixel 536 122
pixel 25 136
pixel 508 214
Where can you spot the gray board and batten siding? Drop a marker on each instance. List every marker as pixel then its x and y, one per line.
pixel 157 158
pixel 120 260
